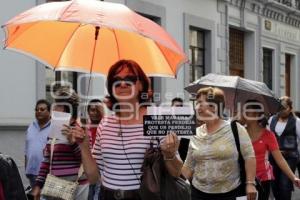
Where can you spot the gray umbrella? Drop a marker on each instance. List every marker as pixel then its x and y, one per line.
pixel 238 90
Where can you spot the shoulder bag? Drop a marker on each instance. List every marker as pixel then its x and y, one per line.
pixel 58 187
pixel 156 182
pixel 241 160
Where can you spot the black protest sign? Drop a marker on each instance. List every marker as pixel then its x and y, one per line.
pixel 161 125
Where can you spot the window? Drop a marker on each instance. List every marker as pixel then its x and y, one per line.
pixel 236 52
pixel 155 81
pixel 54 79
pixel 288 75
pixel 267 66
pixel 196 53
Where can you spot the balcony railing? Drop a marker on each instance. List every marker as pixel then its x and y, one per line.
pixel 290 3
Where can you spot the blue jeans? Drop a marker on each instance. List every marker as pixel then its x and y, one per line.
pixel 282 186
pixel 31 179
pixel 94 192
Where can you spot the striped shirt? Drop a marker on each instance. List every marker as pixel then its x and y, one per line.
pixel 119 152
pixel 65 163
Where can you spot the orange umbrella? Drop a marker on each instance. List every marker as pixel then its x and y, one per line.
pixel 91 35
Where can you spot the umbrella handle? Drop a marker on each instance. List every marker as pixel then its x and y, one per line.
pixel 97 28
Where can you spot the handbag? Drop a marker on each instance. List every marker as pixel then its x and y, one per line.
pixel 241 160
pixel 57 187
pixel 156 182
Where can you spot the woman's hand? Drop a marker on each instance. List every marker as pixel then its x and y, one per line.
pixel 36 193
pixel 297 182
pixel 66 131
pixel 169 149
pixel 79 134
pixel 251 192
pixel 170 146
pixel 74 134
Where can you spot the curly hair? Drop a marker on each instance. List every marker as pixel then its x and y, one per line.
pixel 214 95
pixel 67 97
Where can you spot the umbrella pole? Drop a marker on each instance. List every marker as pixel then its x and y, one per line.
pixel 97 28
pixel 234 103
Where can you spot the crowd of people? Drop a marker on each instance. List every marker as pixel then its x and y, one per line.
pixel 110 148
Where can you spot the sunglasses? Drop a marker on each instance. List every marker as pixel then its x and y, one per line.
pixel 128 80
pixel 40 109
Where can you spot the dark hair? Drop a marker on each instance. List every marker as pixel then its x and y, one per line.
pixel 257 105
pixel 177 99
pixel 43 101
pixel 286 100
pixel 135 69
pixel 92 102
pixel 68 96
pixel 214 95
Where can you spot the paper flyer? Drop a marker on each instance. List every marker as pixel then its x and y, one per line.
pixel 58 119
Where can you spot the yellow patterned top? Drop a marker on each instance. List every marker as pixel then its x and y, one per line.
pixel 213 158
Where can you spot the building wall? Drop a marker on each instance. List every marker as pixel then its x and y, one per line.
pixel 283 38
pixel 22 80
pixel 176 16
pixel 214 16
pixel 17 75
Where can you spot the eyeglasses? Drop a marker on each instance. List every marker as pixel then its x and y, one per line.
pixel 40 109
pixel 129 80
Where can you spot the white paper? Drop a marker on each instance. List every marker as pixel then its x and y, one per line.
pixel 58 119
pixel 158 110
pixel 169 110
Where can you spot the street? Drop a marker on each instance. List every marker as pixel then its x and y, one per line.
pixel 296 194
pixel 12 143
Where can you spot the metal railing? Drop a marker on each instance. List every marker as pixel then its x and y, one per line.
pixel 290 3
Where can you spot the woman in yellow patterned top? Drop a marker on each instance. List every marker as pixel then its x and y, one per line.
pixel 212 158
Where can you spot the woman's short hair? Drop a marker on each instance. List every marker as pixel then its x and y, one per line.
pixel 133 67
pixel 67 97
pixel 214 95
pixel 286 101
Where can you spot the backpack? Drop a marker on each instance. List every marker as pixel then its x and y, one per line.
pixel 10 178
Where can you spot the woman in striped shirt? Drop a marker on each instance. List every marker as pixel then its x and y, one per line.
pixel 120 144
pixel 66 158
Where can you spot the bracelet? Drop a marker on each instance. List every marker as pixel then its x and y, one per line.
pixel 172 158
pixel 251 182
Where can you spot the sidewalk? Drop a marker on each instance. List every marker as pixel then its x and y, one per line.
pixel 296 194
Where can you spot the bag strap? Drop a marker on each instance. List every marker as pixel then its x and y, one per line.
pixel 152 141
pixel 241 158
pixel 80 171
pixel 51 153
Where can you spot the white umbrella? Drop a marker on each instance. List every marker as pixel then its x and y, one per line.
pixel 238 90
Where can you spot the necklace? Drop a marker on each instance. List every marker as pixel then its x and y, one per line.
pixel 120 128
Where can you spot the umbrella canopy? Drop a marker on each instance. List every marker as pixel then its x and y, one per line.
pixel 238 90
pixel 91 35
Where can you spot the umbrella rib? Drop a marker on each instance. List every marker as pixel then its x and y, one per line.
pixel 65 10
pixel 117 43
pixel 60 55
pixel 5 36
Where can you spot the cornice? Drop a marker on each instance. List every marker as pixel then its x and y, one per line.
pixel 271 9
